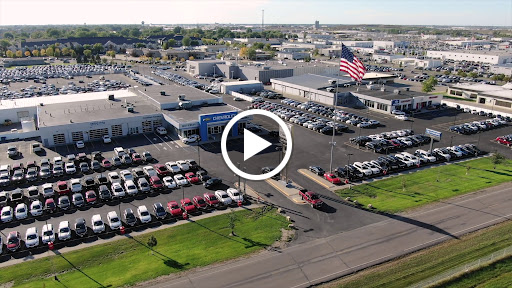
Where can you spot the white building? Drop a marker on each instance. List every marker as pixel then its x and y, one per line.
pixel 491 95
pixel 481 56
pixel 505 69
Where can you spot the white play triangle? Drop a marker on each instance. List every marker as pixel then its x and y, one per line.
pixel 253 144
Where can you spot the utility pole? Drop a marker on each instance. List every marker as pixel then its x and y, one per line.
pixel 348 163
pixel 238 176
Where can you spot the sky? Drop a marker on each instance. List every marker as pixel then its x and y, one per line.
pixel 398 12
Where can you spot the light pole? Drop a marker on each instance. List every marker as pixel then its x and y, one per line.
pixel 245 180
pixel 238 176
pixel 451 140
pixel 412 119
pixel 198 154
pixel 493 102
pixel 348 163
pixel 183 192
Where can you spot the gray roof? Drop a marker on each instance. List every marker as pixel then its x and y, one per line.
pixel 172 91
pixel 314 81
pixel 189 115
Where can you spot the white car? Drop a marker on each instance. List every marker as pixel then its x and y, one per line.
pixel 130 187
pixel 31 237
pixel 181 180
pixel 70 168
pixel 47 190
pixel 113 177
pixel 149 171
pixel 76 186
pixel 191 139
pixel 407 161
pixel 173 167
pixel 47 234
pixel 397 112
pixel 360 167
pixel 97 224
pixel 21 211
pixel 455 150
pixel 411 157
pixel 169 182
pixel 78 199
pixel 36 208
pixel 80 144
pixel 183 165
pixel 117 190
pixel 427 156
pixel 235 195
pixel 57 161
pixel 126 175
pixel 7 214
pixel 107 139
pixel 369 165
pixel 402 117
pixel 64 232
pixel 144 215
pixel 223 197
pixel 161 130
pixel 113 221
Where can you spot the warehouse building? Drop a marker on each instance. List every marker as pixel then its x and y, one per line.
pixel 489 57
pixel 490 95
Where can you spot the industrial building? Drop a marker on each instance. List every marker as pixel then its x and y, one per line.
pixel 505 69
pixel 490 95
pixel 489 57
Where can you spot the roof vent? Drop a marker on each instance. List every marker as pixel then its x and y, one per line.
pixel 396 91
pixel 407 89
pixel 383 89
pixel 181 97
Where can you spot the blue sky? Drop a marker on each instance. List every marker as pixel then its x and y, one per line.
pixel 433 12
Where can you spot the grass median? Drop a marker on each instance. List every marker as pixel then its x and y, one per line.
pixel 422 265
pixel 129 261
pixel 399 193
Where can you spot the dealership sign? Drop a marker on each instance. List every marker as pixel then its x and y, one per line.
pixel 217 117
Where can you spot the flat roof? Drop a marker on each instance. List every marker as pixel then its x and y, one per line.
pixel 93 110
pixel 190 115
pixel 239 83
pixel 388 94
pixel 313 81
pixel 477 87
pixel 62 99
pixel 171 93
pixel 477 52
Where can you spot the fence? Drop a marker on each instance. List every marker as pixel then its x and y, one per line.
pixel 464 268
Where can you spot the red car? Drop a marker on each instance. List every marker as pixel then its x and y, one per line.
pixel 13 241
pixel 504 141
pixel 136 158
pixel 62 187
pixel 162 170
pixel 192 178
pixel 105 163
pixel 332 178
pixel 90 197
pixel 187 206
pixel 199 202
pixel 311 197
pixel 49 205
pixel 156 183
pixel 174 209
pixel 211 199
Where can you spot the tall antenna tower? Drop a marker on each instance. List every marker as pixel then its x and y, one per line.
pixel 262 20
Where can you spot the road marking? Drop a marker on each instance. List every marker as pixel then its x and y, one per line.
pixel 151 142
pixel 163 141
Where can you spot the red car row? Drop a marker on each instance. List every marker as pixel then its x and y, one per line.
pixel 208 200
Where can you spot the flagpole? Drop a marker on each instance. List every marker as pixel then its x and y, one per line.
pixel 335 104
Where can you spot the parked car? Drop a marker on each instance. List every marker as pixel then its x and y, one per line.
pixel 174 209
pixel 7 214
pixel 36 208
pixel 90 197
pixel 235 195
pixel 159 211
pixel 223 197
pixel 311 197
pixel 64 232
pixel 31 237
pixel 13 241
pixel 187 206
pixel 47 234
pixel 113 221
pixel 21 211
pixel 80 227
pixel 199 202
pixel 317 170
pixel 129 217
pixel 143 213
pixel 97 224
pixel 211 183
pixel 169 182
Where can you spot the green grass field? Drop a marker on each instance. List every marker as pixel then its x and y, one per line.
pixel 128 261
pixel 497 274
pixel 422 265
pixel 399 193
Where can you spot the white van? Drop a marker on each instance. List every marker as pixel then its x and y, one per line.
pixel 161 130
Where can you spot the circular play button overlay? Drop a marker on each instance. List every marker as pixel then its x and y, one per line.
pixel 253 144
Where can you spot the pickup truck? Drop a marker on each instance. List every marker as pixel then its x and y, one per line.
pixel 311 197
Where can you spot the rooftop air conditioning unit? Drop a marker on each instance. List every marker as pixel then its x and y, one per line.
pixel 181 97
pixel 396 91
pixel 383 89
pixel 111 97
pixel 407 89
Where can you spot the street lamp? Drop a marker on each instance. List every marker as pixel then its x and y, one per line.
pixel 333 143
pixel 451 140
pixel 348 163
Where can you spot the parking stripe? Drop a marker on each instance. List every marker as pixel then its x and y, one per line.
pixel 163 141
pixel 151 142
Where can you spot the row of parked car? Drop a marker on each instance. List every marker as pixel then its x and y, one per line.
pixel 505 140
pixel 393 163
pixel 478 126
pixel 178 79
pixel 142 215
pixel 484 113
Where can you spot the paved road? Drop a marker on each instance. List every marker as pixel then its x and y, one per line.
pixel 329 258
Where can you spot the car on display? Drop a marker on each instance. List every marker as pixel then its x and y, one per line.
pixel 31 174
pixel 181 180
pixel 211 200
pixel 311 197
pixel 143 214
pixel 199 202
pixel 63 202
pixel 103 193
pixel 80 144
pixel 192 178
pixel 32 193
pixel 126 175
pixel 156 183
pixel 129 217
pixel 36 208
pixel 90 197
pixel 173 167
pixel 169 182
pixel 130 188
pixel 138 173
pixel 136 158
pixel 147 157
pixel 84 167
pixel 47 234
pixel 212 182
pixel 57 170
pixel 50 206
pixel 106 164
pixel 97 224
pixel 126 160
pixel 78 200
pixel 64 232
pixel 12 152
pixel 174 209
pixel 18 176
pixel 107 139
pixel 113 220
pixel 80 227
pixel 223 197
pixel 191 139
pixel 76 185
pixel 187 206
pixel 117 190
pixel 317 170
pixel 505 140
pixel 144 186
pixel 113 177
pixel 159 211
pixel 161 170
pixel 31 237
pixel 70 168
pixel 116 161
pixel 7 214
pixel 161 131
pixel 21 211
pixel 149 171
pixel 203 175
pixel 13 241
pixel 235 195
pixel 5 180
pixel 192 164
pixel 183 165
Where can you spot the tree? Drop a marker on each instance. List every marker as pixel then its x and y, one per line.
pixel 468 167
pixel 65 51
pixel 182 59
pixel 429 85
pixel 3 45
pixel 307 59
pixel 186 41
pixel 9 54
pixel 56 52
pixel 251 53
pixel 97 59
pixel 27 53
pixel 50 51
pixel 473 74
pixel 97 48
pixel 194 43
pixel 244 52
pixel 18 54
pixel 219 55
pixel 404 182
pixel 165 46
pixel 447 72
pixel 315 52
pixel 42 52
pixel 35 52
pixel 104 60
pixel 133 53
pixel 152 243
pixel 8 35
pixel 87 53
pixel 462 73
pixel 506 78
pixel 171 43
pixel 111 53
pixel 232 219
pixel 497 159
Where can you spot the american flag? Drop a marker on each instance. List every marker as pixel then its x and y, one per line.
pixel 350 64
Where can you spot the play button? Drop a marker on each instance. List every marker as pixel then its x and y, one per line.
pixel 253 144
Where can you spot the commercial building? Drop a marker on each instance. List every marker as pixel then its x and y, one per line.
pixel 489 57
pixel 8 62
pixel 505 69
pixel 490 95
pixel 249 86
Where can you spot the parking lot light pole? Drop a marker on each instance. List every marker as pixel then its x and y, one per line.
pixel 238 176
pixel 451 140
pixel 198 154
pixel 245 180
pixel 183 192
pixel 348 163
